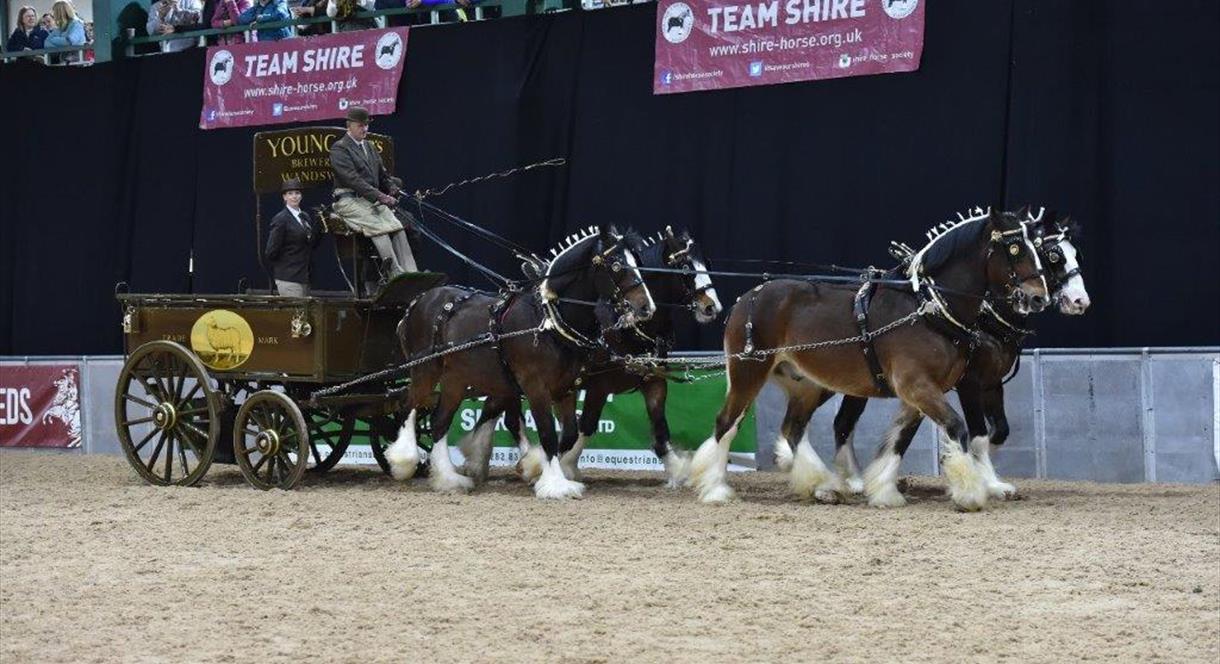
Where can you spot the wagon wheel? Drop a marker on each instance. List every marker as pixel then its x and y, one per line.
pixel 271 441
pixel 166 414
pixel 384 430
pixel 323 435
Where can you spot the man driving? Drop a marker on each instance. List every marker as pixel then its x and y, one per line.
pixel 365 194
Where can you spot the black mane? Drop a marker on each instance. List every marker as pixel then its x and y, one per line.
pixel 948 240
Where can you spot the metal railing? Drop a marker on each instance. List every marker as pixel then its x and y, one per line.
pixel 107 34
pixel 248 30
pixel 44 54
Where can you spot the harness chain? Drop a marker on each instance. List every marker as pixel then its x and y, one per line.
pixel 480 340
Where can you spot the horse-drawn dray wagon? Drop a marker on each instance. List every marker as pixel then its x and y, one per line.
pixel 236 378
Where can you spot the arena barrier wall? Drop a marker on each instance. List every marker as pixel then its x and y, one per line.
pixel 1105 415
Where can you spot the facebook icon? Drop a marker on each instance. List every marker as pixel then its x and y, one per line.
pixel 756 68
pixel 667 77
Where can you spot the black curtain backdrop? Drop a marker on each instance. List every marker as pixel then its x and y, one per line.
pixel 1104 108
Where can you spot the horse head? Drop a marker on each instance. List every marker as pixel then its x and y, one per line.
pixel 679 251
pixel 1013 264
pixel 1061 259
pixel 598 261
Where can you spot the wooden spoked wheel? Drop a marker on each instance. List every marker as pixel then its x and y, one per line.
pixel 271 441
pixel 166 414
pixel 330 433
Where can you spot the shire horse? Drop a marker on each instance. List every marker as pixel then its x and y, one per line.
pixel 917 361
pixel 544 365
pixel 691 289
pixel 981 389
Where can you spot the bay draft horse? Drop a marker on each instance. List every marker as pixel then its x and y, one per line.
pixel 981 388
pixel 917 362
pixel 593 265
pixel 691 290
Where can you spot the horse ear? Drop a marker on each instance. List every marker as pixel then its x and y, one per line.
pixel 669 231
pixel 1023 213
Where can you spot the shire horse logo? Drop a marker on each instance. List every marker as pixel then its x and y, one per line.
pixel 66 406
pixel 222 339
pixel 677 22
pixel 389 50
pixel 897 9
pixel 221 68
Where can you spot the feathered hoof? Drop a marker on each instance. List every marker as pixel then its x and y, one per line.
pixel 827 496
pixel 559 489
pixel 453 483
pixel 717 495
pixel 529 466
pixel 855 485
pixel 1002 491
pixel 887 498
pixel 677 467
pixel 966 488
pixel 403 468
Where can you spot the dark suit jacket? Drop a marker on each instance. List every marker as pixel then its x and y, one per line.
pixel 353 170
pixel 289 246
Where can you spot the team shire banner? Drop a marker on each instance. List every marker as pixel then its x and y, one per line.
pixel 296 80
pixel 715 44
pixel 40 405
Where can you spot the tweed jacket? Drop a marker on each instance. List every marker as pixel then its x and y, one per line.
pixel 362 171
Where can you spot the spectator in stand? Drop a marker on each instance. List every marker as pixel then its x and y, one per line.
pixel 310 9
pixel 403 19
pixel 170 16
pixel 68 30
pixel 226 15
pixel 28 36
pixel 462 13
pixel 47 22
pixel 268 11
pixel 344 13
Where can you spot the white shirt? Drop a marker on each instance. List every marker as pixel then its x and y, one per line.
pixel 296 213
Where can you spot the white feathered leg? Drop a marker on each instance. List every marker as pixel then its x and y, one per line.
pixel 570 461
pixel 848 468
pixel 677 467
pixel 530 461
pixel 783 454
pixel 981 448
pixel 403 455
pixel 477 449
pixel 966 487
pixel 810 476
pixel 443 477
pixel 881 481
pixel 709 468
pixel 553 484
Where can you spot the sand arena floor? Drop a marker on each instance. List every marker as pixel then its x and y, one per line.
pixel 97 566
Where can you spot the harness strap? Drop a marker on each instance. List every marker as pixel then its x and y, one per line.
pixel 497 312
pixel 860 307
pixel 1005 331
pixel 447 310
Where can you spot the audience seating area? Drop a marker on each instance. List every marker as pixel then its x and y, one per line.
pixel 81 32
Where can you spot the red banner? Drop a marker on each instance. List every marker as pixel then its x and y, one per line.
pixel 296 80
pixel 40 405
pixel 714 44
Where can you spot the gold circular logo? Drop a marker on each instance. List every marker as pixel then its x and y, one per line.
pixel 222 339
